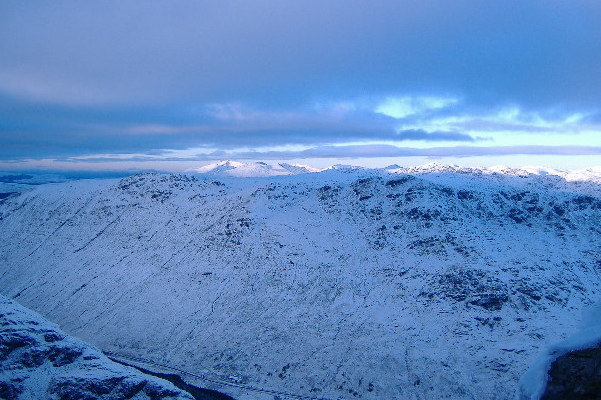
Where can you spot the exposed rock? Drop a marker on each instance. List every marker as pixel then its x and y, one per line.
pixel 39 361
pixel 575 376
pixel 474 287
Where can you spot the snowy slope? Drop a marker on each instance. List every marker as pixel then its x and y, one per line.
pixel 349 283
pixel 256 169
pixel 39 361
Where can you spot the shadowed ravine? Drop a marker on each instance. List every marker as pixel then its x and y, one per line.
pixel 197 392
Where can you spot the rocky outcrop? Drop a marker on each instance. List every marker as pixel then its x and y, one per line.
pixel 39 361
pixel 575 376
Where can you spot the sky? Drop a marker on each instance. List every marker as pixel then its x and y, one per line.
pixel 171 85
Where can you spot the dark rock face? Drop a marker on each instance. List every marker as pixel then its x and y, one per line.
pixel 474 287
pixel 116 387
pixel 196 392
pixel 575 376
pixel 39 361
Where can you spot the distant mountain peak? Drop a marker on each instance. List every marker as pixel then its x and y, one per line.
pixel 392 166
pixel 435 167
pixel 252 169
pixel 263 169
pixel 298 168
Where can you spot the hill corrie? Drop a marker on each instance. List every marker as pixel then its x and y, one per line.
pixel 420 283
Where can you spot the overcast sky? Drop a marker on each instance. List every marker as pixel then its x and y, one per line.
pixel 179 83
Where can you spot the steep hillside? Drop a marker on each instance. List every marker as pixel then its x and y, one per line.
pixel 420 284
pixel 39 361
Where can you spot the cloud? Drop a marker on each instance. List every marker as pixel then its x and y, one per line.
pixel 367 151
pixel 402 107
pixel 33 131
pixel 28 130
pixel 178 161
pixel 507 118
pixel 122 77
pixel 347 151
pixel 420 134
pixel 75 53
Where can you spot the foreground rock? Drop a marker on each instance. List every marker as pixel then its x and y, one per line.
pixel 575 376
pixel 569 369
pixel 39 361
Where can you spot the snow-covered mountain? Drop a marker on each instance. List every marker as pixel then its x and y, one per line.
pixel 262 169
pixel 255 169
pixel 433 282
pixel 39 361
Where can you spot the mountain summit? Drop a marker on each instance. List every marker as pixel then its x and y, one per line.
pixel 255 169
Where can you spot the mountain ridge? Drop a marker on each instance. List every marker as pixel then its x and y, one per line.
pixel 263 169
pixel 343 284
